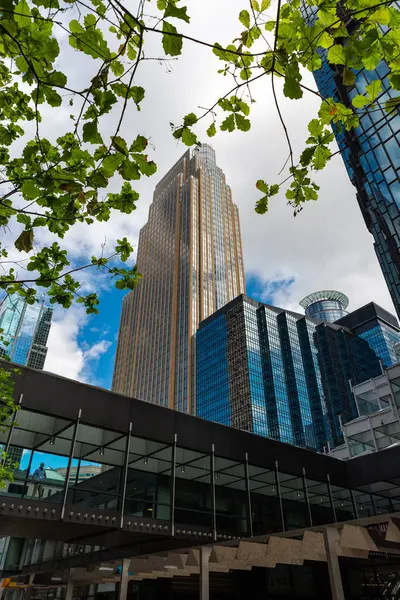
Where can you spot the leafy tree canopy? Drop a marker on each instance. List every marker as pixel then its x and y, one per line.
pixel 53 184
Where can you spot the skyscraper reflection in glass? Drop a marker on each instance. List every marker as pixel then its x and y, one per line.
pixel 25 328
pixel 279 374
pixel 371 154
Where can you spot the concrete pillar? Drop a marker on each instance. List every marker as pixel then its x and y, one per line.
pixel 123 588
pixel 204 573
pixel 70 587
pixel 335 577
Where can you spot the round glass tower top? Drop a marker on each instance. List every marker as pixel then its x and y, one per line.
pixel 327 305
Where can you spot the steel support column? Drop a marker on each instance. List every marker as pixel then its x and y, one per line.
pixel 335 577
pixel 204 573
pixel 353 501
pixel 124 479
pixel 10 432
pixel 212 475
pixel 123 587
pixel 71 455
pixel 278 495
pixel 173 486
pixel 306 499
pixel 28 470
pixel 29 589
pixel 331 500
pixel 248 497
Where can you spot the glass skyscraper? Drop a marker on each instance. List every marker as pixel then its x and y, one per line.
pixel 371 154
pixel 326 305
pixel 23 340
pixel 379 327
pixel 190 257
pixel 279 374
pixel 26 329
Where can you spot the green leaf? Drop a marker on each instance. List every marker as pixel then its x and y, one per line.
pixel 371 57
pixel 349 77
pixel 171 40
pixel 29 190
pixel 24 242
pixel 129 170
pixel 91 134
pixel 139 145
pixel 111 163
pixel 117 68
pixel 177 12
pixel 307 155
pixel 228 124
pixel 25 220
pixel 189 120
pixel 242 123
pixel 380 16
pixel 265 4
pixel 270 25
pixel 321 157
pixel 336 55
pixel 395 80
pixel 244 18
pixel 373 89
pixel 255 5
pixel 137 93
pixel 292 88
pixel 76 27
pixel 392 105
pixel 212 130
pixel 22 14
pixel 359 101
pixel 315 127
pixel 262 186
pixel 119 144
pixel 188 137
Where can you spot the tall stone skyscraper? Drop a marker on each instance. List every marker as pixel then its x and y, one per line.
pixel 190 257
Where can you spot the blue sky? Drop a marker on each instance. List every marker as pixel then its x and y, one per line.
pixel 105 325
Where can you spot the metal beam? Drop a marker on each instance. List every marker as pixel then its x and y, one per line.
pixel 71 455
pixel 248 496
pixel 173 486
pixel 122 494
pixel 212 475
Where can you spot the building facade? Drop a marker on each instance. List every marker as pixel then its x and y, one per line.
pixel 279 374
pixel 190 256
pixel 377 426
pixel 26 329
pixel 378 327
pixel 371 153
pixel 327 305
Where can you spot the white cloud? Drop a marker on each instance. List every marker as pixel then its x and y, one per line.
pixel 97 350
pixel 68 356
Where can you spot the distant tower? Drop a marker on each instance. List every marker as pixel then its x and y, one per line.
pixel 326 305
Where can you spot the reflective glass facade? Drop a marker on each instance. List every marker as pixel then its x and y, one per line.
pixel 279 374
pixel 379 328
pixel 190 257
pixel 372 157
pixel 25 331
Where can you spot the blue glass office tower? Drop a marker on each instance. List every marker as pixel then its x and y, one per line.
pixel 25 328
pixel 371 154
pixel 279 374
pixel 379 327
